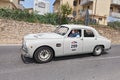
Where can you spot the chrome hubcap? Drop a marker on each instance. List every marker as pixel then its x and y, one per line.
pixel 44 55
pixel 98 50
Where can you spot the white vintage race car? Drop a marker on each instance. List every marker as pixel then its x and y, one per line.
pixel 65 40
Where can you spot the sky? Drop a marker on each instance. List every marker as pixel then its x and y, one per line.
pixel 30 3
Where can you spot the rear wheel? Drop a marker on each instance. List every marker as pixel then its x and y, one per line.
pixel 97 50
pixel 43 55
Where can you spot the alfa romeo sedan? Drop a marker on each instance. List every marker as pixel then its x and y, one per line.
pixel 65 40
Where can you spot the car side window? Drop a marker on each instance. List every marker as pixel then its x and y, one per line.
pixel 75 33
pixel 88 33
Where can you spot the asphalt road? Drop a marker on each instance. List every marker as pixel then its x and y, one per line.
pixel 80 67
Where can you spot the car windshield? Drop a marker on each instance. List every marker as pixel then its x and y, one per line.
pixel 62 30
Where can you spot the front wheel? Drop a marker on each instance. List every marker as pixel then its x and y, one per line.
pixel 43 55
pixel 97 50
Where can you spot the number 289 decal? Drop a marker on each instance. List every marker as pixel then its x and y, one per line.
pixel 74 45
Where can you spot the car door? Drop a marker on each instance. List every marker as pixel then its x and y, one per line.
pixel 73 45
pixel 89 40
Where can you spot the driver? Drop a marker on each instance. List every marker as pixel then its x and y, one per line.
pixel 74 33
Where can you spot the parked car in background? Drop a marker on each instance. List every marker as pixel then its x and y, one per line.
pixel 65 40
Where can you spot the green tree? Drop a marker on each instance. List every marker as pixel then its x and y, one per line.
pixel 65 11
pixel 49 18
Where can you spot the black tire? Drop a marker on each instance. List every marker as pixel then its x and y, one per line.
pixel 43 55
pixel 98 50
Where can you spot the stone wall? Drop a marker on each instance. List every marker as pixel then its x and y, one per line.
pixel 12 32
pixel 110 33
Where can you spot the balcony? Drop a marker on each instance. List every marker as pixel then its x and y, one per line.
pixel 83 13
pixel 83 2
pixel 115 14
pixel 115 2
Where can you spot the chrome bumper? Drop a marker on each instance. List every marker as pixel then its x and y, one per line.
pixel 23 53
pixel 25 56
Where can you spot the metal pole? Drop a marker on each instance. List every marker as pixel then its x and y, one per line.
pixel 95 9
pixel 87 19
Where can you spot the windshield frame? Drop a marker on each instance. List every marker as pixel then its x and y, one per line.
pixel 63 34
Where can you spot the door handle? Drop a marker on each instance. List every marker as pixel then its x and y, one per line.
pixel 95 38
pixel 81 38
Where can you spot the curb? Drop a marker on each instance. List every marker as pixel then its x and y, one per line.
pixel 10 44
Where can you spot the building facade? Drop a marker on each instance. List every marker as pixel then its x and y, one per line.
pixel 41 7
pixel 58 3
pixel 115 8
pixel 11 4
pixel 98 10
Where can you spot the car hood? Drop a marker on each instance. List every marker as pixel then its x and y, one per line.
pixel 43 36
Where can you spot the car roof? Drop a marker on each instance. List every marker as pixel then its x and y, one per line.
pixel 73 26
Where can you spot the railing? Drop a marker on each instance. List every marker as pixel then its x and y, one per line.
pixel 115 2
pixel 85 1
pixel 115 14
